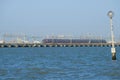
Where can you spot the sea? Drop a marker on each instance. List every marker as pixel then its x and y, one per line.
pixel 59 63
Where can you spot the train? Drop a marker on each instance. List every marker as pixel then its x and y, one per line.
pixel 73 41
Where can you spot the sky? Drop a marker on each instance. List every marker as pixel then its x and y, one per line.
pixel 59 17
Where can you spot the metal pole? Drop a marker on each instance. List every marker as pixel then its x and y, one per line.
pixel 113 50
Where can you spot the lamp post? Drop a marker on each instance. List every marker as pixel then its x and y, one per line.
pixel 113 51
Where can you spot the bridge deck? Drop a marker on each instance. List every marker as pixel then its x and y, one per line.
pixel 57 45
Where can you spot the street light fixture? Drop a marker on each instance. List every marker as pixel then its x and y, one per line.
pixel 113 51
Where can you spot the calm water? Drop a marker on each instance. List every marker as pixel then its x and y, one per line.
pixel 66 63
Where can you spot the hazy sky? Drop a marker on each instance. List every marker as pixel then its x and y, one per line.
pixel 67 17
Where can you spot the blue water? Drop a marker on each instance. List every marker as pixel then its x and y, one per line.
pixel 61 63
